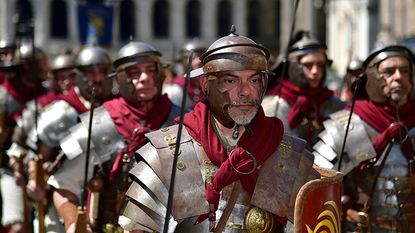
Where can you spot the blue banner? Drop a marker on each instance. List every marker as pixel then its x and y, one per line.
pixel 95 24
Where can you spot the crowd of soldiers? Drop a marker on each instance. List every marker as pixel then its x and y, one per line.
pixel 88 141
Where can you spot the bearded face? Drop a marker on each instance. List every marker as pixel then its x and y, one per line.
pixel 234 96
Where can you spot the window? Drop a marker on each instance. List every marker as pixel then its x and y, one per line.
pixel 25 18
pixel 253 19
pixel 193 18
pixel 161 19
pixel 224 18
pixel 59 19
pixel 127 20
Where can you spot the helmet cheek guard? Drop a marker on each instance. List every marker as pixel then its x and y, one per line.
pixel 136 53
pixel 90 57
pixel 303 46
pixel 376 83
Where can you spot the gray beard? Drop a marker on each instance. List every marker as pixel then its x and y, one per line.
pixel 245 120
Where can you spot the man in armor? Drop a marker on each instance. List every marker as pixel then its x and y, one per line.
pixel 24 72
pixel 174 88
pixel 7 50
pixel 228 147
pixel 118 129
pixel 90 67
pixel 353 71
pixel 302 100
pixel 378 151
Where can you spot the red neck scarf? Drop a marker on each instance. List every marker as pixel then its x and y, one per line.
pixel 21 91
pixel 261 140
pixel 194 92
pixel 127 116
pixel 303 102
pixel 381 116
pixel 133 123
pixel 73 99
pixel 47 98
pixel 290 92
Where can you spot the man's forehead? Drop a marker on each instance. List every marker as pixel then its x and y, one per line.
pixel 142 65
pixel 394 59
pixel 238 73
pixel 313 56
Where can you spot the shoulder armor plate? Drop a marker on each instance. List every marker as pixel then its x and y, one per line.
pixel 105 138
pixel 7 102
pixel 54 122
pixel 359 146
pixel 282 176
pixel 189 186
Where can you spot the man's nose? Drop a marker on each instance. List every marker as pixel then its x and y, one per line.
pixel 243 88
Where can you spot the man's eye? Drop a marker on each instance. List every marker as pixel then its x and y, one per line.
pixel 229 80
pixel 256 79
pixel 405 71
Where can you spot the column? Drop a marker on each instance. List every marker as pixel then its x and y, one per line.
pixel 144 18
pixel 239 16
pixel 208 21
pixel 73 22
pixel 41 10
pixel 177 16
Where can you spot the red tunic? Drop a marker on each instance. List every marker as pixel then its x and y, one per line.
pixel 132 123
pixel 380 117
pixel 261 140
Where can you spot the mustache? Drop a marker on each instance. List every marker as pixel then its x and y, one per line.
pixel 245 102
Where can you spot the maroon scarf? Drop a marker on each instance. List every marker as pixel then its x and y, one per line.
pixel 21 91
pixel 381 117
pixel 263 140
pixel 303 101
pixel 47 98
pixel 129 118
pixel 73 99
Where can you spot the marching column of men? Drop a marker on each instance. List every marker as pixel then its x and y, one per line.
pixel 88 142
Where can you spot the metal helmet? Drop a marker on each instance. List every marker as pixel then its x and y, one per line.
pixel 93 56
pixel 27 62
pixel 303 45
pixel 197 46
pixel 375 82
pixel 135 53
pixel 20 54
pixel 63 61
pixel 231 53
pixel 353 71
pixel 7 50
pixel 354 65
pixel 89 57
pixel 235 52
pixel 7 46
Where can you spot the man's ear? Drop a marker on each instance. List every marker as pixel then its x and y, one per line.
pixel 204 83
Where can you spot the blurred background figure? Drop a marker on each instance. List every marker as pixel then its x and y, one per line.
pixel 7 50
pixel 301 98
pixel 353 71
pixel 174 88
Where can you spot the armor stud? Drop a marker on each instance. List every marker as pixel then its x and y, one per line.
pixel 258 220
pixel 105 140
pixel 181 166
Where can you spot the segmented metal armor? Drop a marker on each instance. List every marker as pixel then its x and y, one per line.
pixel 392 200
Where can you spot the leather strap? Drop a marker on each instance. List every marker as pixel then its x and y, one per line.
pixel 236 190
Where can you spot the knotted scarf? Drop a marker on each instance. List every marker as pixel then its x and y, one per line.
pixel 133 123
pixel 383 118
pixel 261 140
